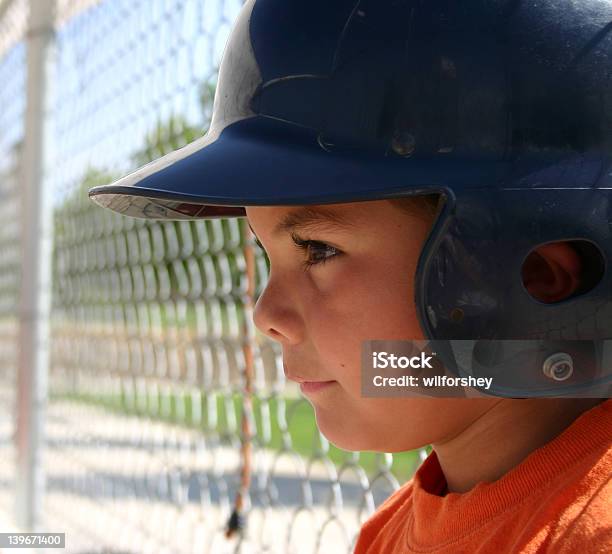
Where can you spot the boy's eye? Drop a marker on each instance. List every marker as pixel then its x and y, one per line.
pixel 317 252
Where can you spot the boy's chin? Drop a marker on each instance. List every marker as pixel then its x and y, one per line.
pixel 367 444
pixel 357 439
pixel 338 434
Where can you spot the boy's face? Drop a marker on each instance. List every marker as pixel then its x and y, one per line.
pixel 339 275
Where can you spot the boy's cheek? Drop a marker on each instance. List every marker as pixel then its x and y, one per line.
pixel 337 338
pixel 357 306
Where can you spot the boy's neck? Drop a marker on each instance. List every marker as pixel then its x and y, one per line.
pixel 504 436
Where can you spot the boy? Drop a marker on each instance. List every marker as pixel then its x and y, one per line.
pixel 550 501
pixel 337 128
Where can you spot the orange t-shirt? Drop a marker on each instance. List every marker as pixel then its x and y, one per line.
pixel 557 500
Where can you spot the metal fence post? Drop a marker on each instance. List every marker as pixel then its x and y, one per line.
pixel 36 248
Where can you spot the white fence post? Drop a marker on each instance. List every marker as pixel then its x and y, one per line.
pixel 36 248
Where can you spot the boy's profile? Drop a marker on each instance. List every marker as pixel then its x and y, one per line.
pixel 427 171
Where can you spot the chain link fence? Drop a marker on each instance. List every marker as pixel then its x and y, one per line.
pixel 149 438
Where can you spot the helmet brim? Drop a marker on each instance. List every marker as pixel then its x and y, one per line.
pixel 260 161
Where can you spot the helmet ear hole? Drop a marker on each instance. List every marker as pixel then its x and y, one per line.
pixel 593 263
pixel 592 267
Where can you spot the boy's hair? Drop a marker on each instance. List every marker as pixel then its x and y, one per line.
pixel 431 204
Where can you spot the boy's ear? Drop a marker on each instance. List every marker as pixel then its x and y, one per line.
pixel 552 272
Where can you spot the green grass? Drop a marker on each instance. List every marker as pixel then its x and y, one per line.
pixel 281 423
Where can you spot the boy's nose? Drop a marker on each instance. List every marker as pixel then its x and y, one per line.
pixel 276 315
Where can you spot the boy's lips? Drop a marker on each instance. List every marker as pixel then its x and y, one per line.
pixel 307 384
pixel 301 380
pixel 314 386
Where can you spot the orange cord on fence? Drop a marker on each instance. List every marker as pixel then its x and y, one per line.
pixel 236 521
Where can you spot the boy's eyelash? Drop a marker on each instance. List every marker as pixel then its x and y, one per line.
pixel 305 245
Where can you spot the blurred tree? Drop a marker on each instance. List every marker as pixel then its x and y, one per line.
pixel 76 209
pixel 166 137
pixel 176 131
pixel 73 218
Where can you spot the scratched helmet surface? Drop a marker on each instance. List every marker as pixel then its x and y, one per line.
pixel 505 108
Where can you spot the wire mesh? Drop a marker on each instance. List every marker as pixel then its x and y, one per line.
pixel 151 331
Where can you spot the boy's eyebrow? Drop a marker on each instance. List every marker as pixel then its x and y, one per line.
pixel 311 218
